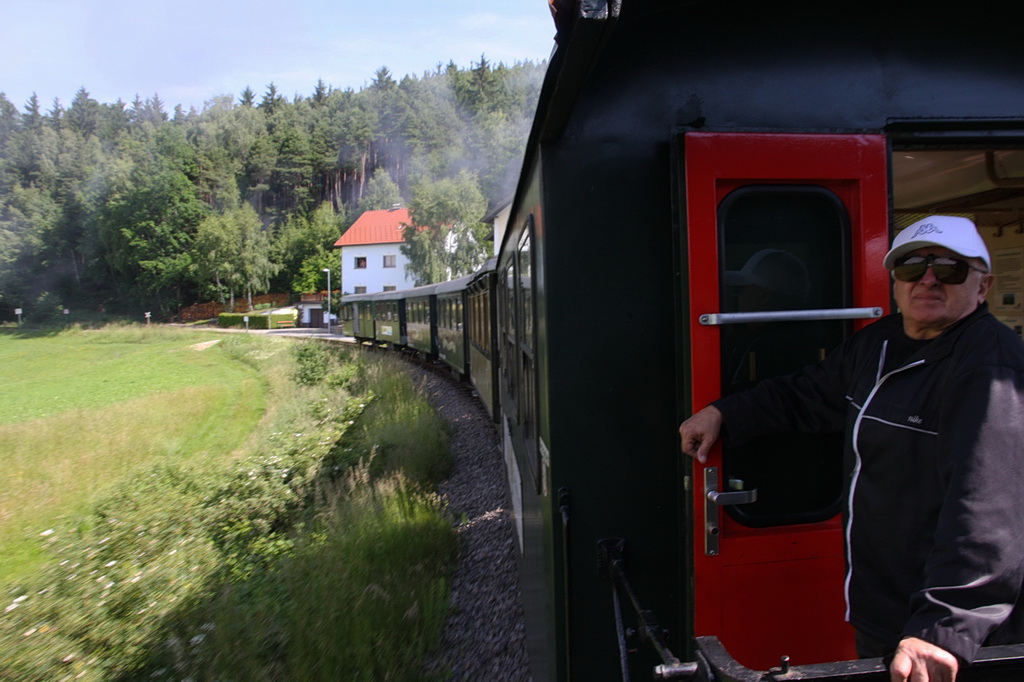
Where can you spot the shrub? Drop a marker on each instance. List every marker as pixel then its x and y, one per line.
pixel 405 433
pixel 318 363
pixel 374 584
pixel 256 320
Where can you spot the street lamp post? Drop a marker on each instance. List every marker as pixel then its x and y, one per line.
pixel 328 317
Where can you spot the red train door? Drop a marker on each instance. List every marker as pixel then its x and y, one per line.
pixel 786 235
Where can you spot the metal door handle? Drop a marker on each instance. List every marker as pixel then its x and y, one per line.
pixel 738 497
pixel 715 499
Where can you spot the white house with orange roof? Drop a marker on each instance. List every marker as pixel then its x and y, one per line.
pixel 371 260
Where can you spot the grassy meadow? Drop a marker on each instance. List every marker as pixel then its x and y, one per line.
pixel 181 504
pixel 82 410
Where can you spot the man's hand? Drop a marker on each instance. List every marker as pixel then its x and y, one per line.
pixel 698 433
pixel 916 660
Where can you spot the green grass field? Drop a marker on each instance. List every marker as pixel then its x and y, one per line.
pixel 186 506
pixel 82 410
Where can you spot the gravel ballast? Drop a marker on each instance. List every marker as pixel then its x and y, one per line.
pixel 484 636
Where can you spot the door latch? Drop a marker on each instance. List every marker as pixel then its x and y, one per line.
pixel 713 499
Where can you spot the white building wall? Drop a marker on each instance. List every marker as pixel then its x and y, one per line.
pixel 500 225
pixel 375 277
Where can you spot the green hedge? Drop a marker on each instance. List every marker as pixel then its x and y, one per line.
pixel 256 320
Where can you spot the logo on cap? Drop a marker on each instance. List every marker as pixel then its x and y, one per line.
pixel 927 228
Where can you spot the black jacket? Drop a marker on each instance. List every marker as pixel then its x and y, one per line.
pixel 935 511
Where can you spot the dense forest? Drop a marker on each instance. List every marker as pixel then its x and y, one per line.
pixel 121 208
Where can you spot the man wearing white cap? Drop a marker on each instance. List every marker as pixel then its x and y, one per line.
pixel 930 400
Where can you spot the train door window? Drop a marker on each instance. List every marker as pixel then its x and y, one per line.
pixel 782 247
pixel 478 321
pixel 527 362
pixel 485 320
pixel 508 329
pixel 471 316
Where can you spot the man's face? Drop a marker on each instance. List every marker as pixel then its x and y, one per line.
pixel 929 306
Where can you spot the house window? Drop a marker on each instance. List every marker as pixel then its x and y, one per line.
pixel 389 287
pixel 360 290
pixel 360 262
pixel 389 261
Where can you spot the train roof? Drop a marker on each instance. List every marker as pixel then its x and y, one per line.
pixel 355 298
pixel 391 295
pixel 478 278
pixel 420 291
pixel 454 285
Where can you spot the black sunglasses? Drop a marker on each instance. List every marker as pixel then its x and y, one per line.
pixel 947 270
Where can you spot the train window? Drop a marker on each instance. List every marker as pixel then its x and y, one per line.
pixel 509 366
pixel 527 366
pixel 526 290
pixel 478 302
pixel 782 247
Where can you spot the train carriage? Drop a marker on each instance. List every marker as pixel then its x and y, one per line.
pixel 421 319
pixel 452 331
pixel 356 315
pixel 389 318
pixel 677 148
pixel 482 348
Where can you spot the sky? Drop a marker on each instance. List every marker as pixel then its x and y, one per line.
pixel 190 51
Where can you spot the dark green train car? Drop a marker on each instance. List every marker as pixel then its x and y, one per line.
pixel 452 331
pixel 421 319
pixel 356 315
pixel 674 140
pixel 481 305
pixel 389 318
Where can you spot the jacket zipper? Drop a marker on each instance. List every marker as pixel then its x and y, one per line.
pixel 879 380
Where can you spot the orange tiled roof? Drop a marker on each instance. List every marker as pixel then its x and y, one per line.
pixel 376 227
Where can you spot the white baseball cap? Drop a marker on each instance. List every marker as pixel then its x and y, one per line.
pixel 952 232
